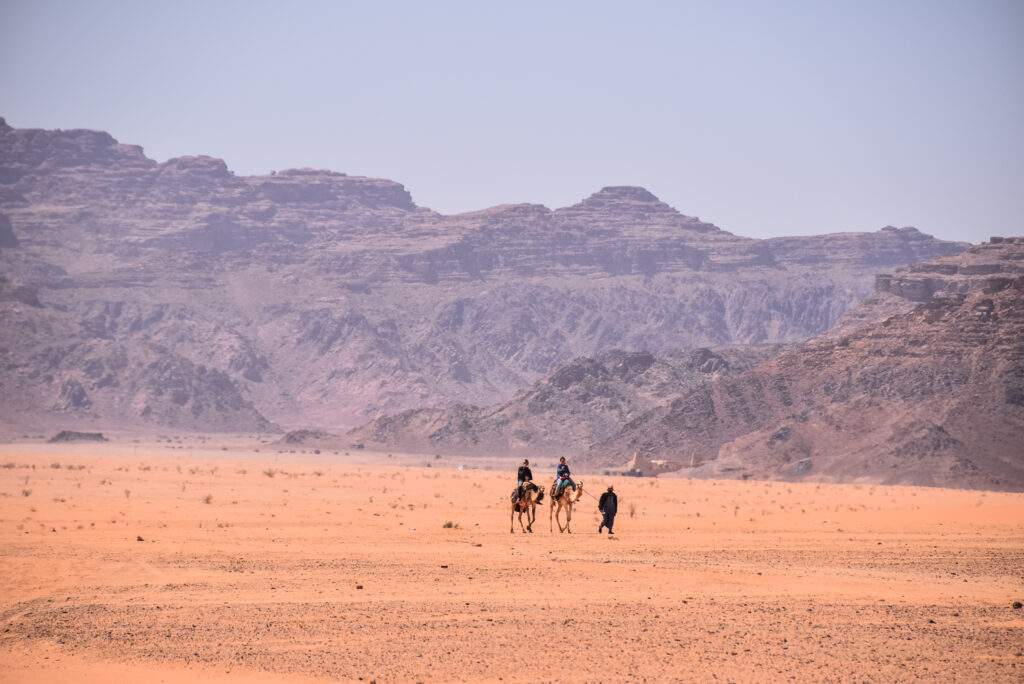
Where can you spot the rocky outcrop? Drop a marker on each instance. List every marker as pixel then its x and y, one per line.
pixel 73 436
pixel 310 297
pixel 929 393
pixel 309 438
pixel 581 403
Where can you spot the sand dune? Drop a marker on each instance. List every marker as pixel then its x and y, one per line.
pixel 144 563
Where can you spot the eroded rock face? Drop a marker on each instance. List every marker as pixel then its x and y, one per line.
pixel 914 390
pixel 181 294
pixel 580 404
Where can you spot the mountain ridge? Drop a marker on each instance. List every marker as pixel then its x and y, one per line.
pixel 922 383
pixel 318 298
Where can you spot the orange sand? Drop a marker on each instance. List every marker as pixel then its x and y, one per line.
pixel 739 581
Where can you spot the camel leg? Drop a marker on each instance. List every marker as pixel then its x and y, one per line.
pixel 551 516
pixel 568 517
pixel 531 516
pixel 521 522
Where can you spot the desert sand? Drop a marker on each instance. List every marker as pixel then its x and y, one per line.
pixel 144 562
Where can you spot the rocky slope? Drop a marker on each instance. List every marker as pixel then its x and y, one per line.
pixel 581 403
pixel 924 385
pixel 136 293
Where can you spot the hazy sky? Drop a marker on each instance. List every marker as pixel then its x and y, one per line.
pixel 767 118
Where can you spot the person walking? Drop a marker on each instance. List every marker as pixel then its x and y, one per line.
pixel 608 504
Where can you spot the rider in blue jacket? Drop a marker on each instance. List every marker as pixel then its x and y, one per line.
pixel 562 477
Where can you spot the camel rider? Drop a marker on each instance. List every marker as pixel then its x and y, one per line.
pixel 562 478
pixel 524 479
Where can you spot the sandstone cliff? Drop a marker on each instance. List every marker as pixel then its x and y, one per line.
pixel 136 293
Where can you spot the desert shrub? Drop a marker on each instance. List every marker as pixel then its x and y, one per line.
pixel 208 499
pixel 449 525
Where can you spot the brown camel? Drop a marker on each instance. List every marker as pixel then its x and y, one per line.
pixel 527 503
pixel 564 500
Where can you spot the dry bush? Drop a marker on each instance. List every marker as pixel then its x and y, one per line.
pixel 449 525
pixel 55 466
pixel 632 510
pixel 208 499
pixel 270 472
pixel 26 492
pixel 127 493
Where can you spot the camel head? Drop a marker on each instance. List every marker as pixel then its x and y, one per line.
pixel 579 490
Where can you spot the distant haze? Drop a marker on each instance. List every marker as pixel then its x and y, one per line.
pixel 766 118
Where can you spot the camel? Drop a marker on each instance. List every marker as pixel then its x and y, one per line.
pixel 564 500
pixel 526 504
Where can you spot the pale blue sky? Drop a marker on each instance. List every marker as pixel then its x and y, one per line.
pixel 767 118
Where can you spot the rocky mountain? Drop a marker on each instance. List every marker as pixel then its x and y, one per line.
pixel 924 384
pixel 136 294
pixel 581 403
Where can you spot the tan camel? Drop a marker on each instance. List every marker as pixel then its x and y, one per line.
pixel 564 500
pixel 527 503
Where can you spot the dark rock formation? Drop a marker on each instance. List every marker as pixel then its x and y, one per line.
pixel 73 436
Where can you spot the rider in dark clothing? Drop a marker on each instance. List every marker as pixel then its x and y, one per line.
pixel 608 504
pixel 524 479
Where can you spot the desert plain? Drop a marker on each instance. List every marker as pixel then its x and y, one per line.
pixel 226 561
